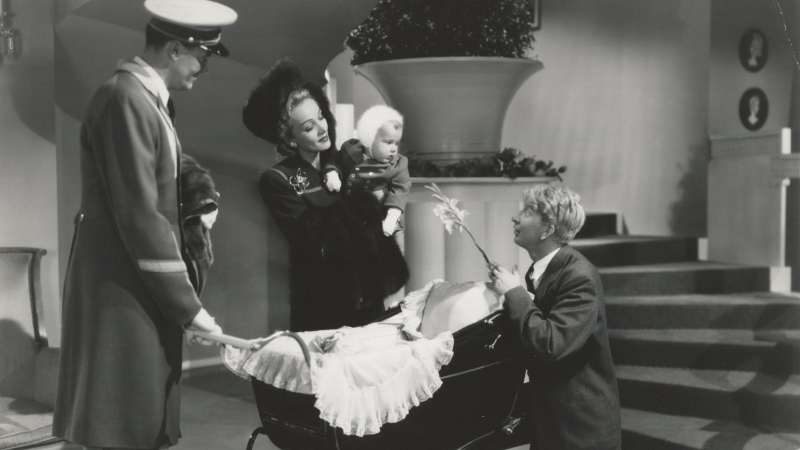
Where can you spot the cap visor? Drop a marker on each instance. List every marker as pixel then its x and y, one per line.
pixel 217 49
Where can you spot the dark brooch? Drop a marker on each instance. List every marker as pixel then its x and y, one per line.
pixel 299 181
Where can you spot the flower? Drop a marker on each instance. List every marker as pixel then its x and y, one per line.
pixel 452 217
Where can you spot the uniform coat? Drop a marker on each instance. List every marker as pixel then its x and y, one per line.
pixel 127 293
pixel 574 394
pixel 363 174
pixel 342 266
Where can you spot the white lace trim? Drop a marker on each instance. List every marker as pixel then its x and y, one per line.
pixel 361 408
pixel 373 375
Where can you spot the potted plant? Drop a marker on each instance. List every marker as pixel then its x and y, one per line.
pixel 450 66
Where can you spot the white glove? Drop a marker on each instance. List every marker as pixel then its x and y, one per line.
pixel 202 322
pixel 209 219
pixel 332 181
pixel 390 222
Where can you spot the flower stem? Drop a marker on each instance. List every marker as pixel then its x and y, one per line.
pixel 486 258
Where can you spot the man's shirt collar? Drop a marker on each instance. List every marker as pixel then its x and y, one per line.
pixel 541 265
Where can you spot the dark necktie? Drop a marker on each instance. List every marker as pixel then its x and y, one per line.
pixel 171 110
pixel 529 281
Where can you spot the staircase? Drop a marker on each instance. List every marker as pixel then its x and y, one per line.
pixel 706 357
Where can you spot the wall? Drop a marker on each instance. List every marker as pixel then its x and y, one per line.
pixel 623 102
pixel 730 19
pixel 729 81
pixel 791 10
pixel 247 285
pixel 210 129
pixel 28 206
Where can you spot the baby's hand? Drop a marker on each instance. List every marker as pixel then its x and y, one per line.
pixel 391 220
pixel 332 181
pixel 389 227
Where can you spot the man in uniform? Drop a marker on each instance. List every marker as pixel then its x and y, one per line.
pixel 127 296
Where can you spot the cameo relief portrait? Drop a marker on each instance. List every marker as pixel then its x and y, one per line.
pixel 753 109
pixel 753 50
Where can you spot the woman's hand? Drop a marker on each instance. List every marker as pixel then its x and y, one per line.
pixel 502 280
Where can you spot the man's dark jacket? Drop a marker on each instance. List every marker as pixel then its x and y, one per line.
pixel 574 395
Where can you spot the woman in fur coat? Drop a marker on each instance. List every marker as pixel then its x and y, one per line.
pixel 342 266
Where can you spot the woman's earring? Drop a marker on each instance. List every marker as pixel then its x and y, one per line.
pixel 293 144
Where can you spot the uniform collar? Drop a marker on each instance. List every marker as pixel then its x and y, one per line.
pixel 147 76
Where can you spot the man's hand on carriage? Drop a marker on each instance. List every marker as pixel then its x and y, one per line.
pixel 501 280
pixel 202 322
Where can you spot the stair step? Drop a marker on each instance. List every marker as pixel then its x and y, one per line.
pixel 598 224
pixel 749 398
pixel 612 251
pixel 699 277
pixel 761 310
pixel 654 431
pixel 774 352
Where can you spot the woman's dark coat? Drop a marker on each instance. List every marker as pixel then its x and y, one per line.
pixel 342 266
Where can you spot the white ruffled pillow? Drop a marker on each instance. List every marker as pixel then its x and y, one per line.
pixel 450 307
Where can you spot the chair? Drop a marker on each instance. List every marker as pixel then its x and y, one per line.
pixel 28 367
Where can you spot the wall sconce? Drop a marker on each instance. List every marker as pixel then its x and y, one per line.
pixel 6 35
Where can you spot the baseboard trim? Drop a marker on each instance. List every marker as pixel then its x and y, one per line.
pixel 194 364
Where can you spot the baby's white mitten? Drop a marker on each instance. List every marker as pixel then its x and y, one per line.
pixel 390 222
pixel 332 181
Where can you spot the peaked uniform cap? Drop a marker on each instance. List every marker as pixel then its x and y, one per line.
pixel 196 22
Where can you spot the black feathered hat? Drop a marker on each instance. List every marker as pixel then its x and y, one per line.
pixel 262 113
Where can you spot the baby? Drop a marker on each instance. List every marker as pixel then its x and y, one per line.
pixel 372 163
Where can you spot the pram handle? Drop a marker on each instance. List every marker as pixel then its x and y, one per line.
pixel 255 344
pixel 224 339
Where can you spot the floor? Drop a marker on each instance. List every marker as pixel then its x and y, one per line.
pixel 218 412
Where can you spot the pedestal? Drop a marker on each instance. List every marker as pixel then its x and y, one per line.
pixel 491 202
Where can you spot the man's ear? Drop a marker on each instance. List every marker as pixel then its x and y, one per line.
pixel 551 229
pixel 173 49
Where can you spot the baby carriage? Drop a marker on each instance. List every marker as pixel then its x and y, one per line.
pixel 479 398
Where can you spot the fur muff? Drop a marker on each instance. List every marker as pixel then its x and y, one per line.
pixel 345 266
pixel 198 197
pixel 382 267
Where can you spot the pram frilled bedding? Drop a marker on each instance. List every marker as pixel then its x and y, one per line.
pixel 365 377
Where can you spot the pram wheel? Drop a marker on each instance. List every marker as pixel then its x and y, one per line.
pixel 253 436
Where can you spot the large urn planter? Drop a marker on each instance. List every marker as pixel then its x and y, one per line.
pixel 454 107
